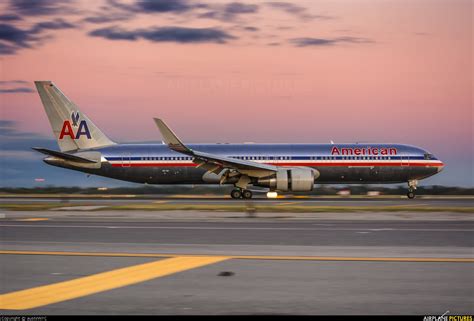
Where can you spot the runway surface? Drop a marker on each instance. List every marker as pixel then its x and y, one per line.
pixel 358 265
pixel 319 201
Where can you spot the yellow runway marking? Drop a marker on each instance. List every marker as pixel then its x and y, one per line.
pixel 288 203
pixel 33 219
pixel 67 290
pixel 160 202
pixel 250 257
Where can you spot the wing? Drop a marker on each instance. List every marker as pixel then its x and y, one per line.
pixel 211 162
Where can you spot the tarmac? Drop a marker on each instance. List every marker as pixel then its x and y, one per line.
pixel 453 201
pixel 132 262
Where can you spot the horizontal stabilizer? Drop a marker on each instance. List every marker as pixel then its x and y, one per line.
pixel 63 155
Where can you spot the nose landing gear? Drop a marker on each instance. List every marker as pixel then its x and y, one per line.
pixel 412 188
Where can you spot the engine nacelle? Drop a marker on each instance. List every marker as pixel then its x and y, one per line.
pixel 291 179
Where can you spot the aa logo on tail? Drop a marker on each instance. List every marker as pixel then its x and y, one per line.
pixel 82 128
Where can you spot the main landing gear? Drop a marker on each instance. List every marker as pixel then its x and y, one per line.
pixel 411 188
pixel 241 193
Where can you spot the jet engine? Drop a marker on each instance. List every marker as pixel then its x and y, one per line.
pixel 291 179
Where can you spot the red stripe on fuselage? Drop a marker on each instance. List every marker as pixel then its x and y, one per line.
pixel 328 164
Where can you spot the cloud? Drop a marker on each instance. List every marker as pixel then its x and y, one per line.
pixel 229 11
pixel 6 127
pixel 14 35
pixel 224 12
pixel 295 10
pixel 13 39
pixel 165 34
pixel 6 88
pixel 163 6
pixel 15 154
pixel 106 18
pixel 16 90
pixel 10 17
pixel 13 140
pixel 8 82
pixel 155 6
pixel 113 11
pixel 6 49
pixel 51 25
pixel 40 7
pixel 250 28
pixel 307 42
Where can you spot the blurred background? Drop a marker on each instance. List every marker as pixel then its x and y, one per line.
pixel 220 71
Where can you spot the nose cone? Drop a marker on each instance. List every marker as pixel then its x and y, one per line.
pixel 440 166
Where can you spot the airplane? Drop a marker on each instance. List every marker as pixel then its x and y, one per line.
pixel 273 167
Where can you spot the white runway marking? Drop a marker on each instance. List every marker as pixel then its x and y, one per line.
pixel 236 228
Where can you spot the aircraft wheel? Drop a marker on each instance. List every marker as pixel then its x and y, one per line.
pixel 246 194
pixel 236 193
pixel 411 195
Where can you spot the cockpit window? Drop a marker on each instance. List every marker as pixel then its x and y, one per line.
pixel 429 156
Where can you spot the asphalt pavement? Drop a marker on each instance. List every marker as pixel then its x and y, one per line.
pixel 359 265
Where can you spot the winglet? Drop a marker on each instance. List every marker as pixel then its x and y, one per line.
pixel 171 139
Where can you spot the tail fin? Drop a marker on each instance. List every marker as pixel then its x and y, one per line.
pixel 72 129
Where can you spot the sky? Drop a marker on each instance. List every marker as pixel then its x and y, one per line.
pixel 220 71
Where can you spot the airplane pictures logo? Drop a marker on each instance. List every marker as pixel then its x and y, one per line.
pixel 82 128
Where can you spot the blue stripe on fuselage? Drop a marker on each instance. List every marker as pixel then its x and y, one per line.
pixel 295 151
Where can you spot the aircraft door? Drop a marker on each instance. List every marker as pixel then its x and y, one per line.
pixel 126 160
